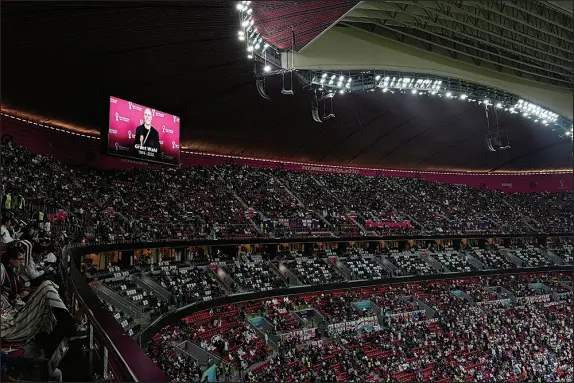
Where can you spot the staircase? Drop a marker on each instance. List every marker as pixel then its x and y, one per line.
pixel 523 218
pixel 262 326
pixel 294 196
pixel 245 207
pixel 347 210
pixel 337 268
pixel 200 354
pixel 403 214
pixel 462 295
pixel 473 261
pixel 383 261
pixel 429 311
pixel 275 270
pixel 149 284
pixel 509 295
pixel 292 279
pixel 434 263
pixel 513 258
pixel 224 282
pixel 117 300
pixel 553 257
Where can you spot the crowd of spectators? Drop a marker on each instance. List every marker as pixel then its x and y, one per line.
pixel 532 257
pixel 464 342
pixel 255 276
pixel 35 318
pixel 492 259
pixel 203 202
pixel 363 266
pixel 313 271
pixel 454 262
pixel 408 263
pixel 68 203
pixel 564 252
pixel 188 285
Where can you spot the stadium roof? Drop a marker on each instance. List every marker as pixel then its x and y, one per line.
pixel 62 61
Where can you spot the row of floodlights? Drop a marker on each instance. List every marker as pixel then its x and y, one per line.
pixel 249 33
pixel 528 110
pixel 407 82
pixel 340 81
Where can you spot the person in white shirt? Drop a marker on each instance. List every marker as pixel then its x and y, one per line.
pixel 38 273
pixel 5 230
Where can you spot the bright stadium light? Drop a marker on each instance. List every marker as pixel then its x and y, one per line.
pixel 267 68
pixel 241 38
pixel 449 94
pixel 245 23
pixel 250 48
pixel 240 7
pixel 414 91
pixel 463 96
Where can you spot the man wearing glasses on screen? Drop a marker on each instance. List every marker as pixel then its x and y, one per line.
pixel 146 141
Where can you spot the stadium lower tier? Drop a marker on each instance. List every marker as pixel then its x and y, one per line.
pixel 500 328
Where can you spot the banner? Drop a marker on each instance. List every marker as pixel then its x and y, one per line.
pixel 535 299
pixel 354 325
pixel 408 314
pixel 303 335
pixel 142 133
pixel 496 302
pixel 402 225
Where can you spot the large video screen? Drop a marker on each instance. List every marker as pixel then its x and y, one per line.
pixel 142 133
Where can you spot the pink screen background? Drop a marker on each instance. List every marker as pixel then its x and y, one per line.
pixel 126 116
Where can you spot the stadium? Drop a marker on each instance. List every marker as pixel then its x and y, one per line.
pixel 280 191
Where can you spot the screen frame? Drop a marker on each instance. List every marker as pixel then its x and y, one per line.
pixel 108 149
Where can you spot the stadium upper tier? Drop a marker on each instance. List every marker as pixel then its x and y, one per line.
pixel 231 201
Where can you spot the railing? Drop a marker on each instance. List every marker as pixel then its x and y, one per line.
pixel 120 353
